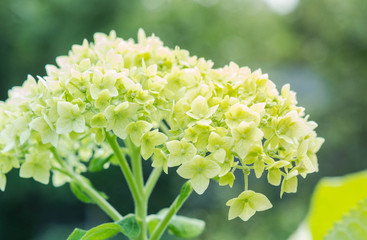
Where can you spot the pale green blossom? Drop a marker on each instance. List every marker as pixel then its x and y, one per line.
pixel 219 146
pixel 19 128
pixel 176 109
pixel 70 118
pixel 246 204
pixel 37 166
pixel 149 141
pixel 256 156
pixel 239 113
pixel 7 163
pixel 136 130
pixel 290 183
pixel 103 99
pixel 244 135
pixel 274 172
pixel 201 111
pixel 160 160
pixel 287 130
pixel 118 117
pixel 227 179
pixel 98 121
pixel 2 181
pixel 199 170
pixel 180 152
pixel 45 129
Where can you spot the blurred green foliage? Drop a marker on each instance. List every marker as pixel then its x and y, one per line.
pixel 337 198
pixel 320 48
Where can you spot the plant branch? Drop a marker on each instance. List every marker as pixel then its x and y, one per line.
pixel 246 181
pixel 87 188
pixel 97 198
pixel 173 209
pixel 164 128
pixel 58 158
pixel 141 206
pixel 124 166
pixel 152 181
pixel 134 153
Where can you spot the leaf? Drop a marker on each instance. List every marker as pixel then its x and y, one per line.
pixel 153 221
pixel 78 192
pixel 97 164
pixel 185 227
pixel 102 232
pixel 77 234
pixel 353 225
pixel 180 226
pixel 333 198
pixel 129 226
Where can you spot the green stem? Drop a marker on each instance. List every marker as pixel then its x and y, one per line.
pixel 164 128
pixel 58 158
pixel 141 211
pixel 141 206
pixel 61 171
pixel 97 198
pixel 173 209
pixel 152 181
pixel 269 140
pixel 246 181
pixel 134 153
pixel 87 188
pixel 124 167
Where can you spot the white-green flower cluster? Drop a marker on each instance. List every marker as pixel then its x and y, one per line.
pixel 177 108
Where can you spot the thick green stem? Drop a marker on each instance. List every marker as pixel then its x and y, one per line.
pixel 124 167
pixel 134 153
pixel 87 188
pixel 141 211
pixel 173 209
pixel 141 206
pixel 152 181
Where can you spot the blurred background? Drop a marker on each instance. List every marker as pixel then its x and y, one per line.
pixel 318 46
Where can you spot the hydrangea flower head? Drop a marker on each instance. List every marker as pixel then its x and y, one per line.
pixel 176 108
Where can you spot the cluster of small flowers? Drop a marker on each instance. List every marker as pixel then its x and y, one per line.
pixel 179 110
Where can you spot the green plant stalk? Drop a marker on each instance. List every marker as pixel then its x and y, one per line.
pixel 141 211
pixel 152 181
pixel 173 209
pixel 97 198
pixel 141 206
pixel 124 167
pixel 134 153
pixel 164 128
pixel 89 190
pixel 246 181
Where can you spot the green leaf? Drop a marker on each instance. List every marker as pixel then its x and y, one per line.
pixel 332 199
pixel 96 164
pixel 153 221
pixel 78 192
pixel 353 225
pixel 102 232
pixel 185 227
pixel 129 226
pixel 180 226
pixel 77 234
pixel 185 192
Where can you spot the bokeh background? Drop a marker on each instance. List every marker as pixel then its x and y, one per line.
pixel 318 46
